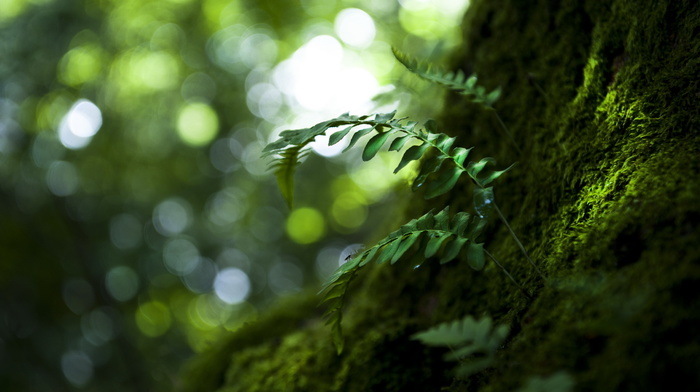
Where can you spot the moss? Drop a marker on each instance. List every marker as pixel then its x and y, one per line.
pixel 602 99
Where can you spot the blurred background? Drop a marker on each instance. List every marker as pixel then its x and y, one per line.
pixel 138 222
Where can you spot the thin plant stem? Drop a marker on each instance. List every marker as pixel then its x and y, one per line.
pixel 507 273
pixel 539 88
pixel 512 233
pixel 505 129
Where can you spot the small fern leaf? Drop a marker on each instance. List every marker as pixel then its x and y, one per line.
pixel 428 167
pixel 338 136
pixel 460 222
pixel 444 183
pixel 475 256
pixel 482 176
pixel 459 155
pixel 398 143
pixel 369 256
pixel 486 178
pixel 387 253
pixel 384 117
pixel 413 153
pixel 444 143
pixel 427 221
pixel 442 220
pixel 406 245
pixel 475 168
pixel 435 243
pixel 452 249
pixel 356 136
pixel 374 144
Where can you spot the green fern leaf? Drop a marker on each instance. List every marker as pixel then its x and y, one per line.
pixel 387 253
pixel 406 245
pixel 452 249
pixel 475 256
pixel 338 136
pixel 428 167
pixel 451 80
pixel 465 337
pixel 444 183
pixel 398 143
pixel 435 243
pixel 413 153
pixel 356 136
pixel 374 144
pixel 459 155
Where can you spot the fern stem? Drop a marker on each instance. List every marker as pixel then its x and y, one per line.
pixel 507 273
pixel 505 129
pixel 515 237
pixel 531 78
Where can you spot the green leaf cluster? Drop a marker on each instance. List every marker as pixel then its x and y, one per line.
pixel 457 81
pixel 467 337
pixel 432 234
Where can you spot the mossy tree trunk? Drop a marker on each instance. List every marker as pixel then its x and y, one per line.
pixel 602 100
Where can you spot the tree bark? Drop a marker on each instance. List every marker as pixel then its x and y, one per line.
pixel 601 100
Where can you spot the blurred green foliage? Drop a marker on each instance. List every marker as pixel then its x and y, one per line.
pixel 138 222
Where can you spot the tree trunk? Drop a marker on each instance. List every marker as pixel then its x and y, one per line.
pixel 600 99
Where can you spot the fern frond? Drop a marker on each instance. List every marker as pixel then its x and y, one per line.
pixel 434 234
pixel 441 179
pixel 465 337
pixel 457 81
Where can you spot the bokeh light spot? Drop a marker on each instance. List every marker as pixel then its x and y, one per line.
pixel 349 210
pixel 97 326
pixel 355 27
pixel 62 178
pixel 197 124
pixel 232 285
pixel 181 256
pixel 78 295
pixel 285 277
pixel 305 225
pixel 122 283
pixel 80 65
pixel 156 70
pixel 172 216
pixel 125 231
pixel 201 278
pixel 153 318
pixel 80 124
pixel 77 367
